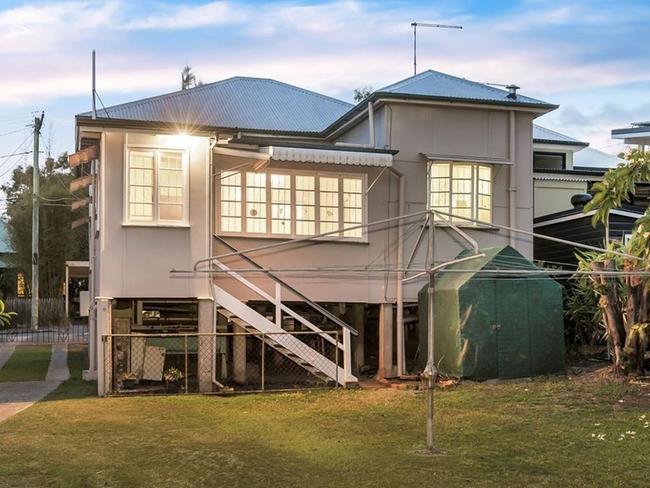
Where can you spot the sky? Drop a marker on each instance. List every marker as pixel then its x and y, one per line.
pixel 590 57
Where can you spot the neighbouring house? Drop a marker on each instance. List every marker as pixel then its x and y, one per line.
pixel 12 282
pixel 249 163
pixel 564 167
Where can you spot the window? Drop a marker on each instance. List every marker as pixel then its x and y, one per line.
pixel 461 189
pixel 283 204
pixel 156 187
pixel 549 160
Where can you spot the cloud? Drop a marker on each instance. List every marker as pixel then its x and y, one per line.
pixel 190 17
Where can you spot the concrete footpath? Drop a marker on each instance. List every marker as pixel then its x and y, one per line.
pixel 19 395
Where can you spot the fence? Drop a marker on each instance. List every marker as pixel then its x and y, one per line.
pixel 221 362
pixel 54 325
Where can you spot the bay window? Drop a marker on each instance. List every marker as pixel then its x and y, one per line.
pixel 462 190
pixel 156 187
pixel 279 203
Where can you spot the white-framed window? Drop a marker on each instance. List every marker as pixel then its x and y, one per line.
pixel 461 189
pixel 291 204
pixel 156 187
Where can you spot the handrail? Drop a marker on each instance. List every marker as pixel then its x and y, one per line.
pixel 293 290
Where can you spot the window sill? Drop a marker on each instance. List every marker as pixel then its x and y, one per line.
pixel 153 225
pixel 341 240
pixel 467 225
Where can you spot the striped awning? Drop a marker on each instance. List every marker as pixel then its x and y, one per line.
pixel 329 156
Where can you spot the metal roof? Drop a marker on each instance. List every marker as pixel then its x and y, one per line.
pixel 438 85
pixel 544 135
pixel 238 103
pixel 593 158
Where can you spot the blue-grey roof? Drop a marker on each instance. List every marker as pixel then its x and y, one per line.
pixel 238 103
pixel 434 84
pixel 542 134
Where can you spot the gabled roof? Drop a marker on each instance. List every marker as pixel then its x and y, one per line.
pixel 237 103
pixel 441 86
pixel 542 135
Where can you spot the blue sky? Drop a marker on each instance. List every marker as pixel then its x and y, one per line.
pixel 591 57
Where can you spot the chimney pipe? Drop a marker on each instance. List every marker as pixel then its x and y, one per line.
pixel 512 89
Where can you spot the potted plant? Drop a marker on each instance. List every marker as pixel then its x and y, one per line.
pixel 128 380
pixel 172 377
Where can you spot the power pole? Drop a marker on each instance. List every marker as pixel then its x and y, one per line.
pixel 38 123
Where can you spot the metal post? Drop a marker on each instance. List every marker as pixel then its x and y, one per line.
pixel 347 356
pixel 186 371
pixel 278 302
pixel 415 47
pixel 35 220
pixel 263 371
pixel 336 360
pixel 430 370
pixel 94 112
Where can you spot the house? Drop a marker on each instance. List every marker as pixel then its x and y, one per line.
pixel 12 283
pixel 563 167
pixel 256 165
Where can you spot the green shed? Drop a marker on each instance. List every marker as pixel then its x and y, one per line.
pixel 490 325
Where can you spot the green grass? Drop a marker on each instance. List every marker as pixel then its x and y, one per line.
pixel 27 363
pixel 520 433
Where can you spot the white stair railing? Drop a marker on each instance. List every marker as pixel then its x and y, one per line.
pixel 341 375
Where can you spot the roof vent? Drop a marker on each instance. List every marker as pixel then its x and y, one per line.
pixel 512 91
pixel 579 200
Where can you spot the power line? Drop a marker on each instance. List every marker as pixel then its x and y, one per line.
pixel 13 131
pixel 15 154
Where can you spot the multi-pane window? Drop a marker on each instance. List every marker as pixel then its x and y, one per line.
pixel 256 202
pixel 462 190
pixel 280 204
pixel 305 205
pixel 284 204
pixel 352 206
pixel 231 201
pixel 156 187
pixel 329 204
pixel 170 186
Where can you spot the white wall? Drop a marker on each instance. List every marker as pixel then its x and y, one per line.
pixel 136 260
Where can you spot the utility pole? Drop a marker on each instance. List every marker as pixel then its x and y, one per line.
pixel 38 123
pixel 415 38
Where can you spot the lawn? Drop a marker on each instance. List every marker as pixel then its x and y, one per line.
pixel 27 363
pixel 521 433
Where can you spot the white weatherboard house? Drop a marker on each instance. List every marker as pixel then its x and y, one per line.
pixel 247 162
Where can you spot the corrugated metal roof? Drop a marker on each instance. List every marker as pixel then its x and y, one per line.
pixel 593 158
pixel 542 134
pixel 440 85
pixel 238 103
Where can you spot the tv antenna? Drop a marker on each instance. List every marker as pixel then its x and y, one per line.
pixel 415 26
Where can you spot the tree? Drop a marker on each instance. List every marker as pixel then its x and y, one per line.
pixel 58 243
pixel 360 94
pixel 188 78
pixel 623 299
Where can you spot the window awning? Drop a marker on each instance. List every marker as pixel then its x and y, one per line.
pixel 330 156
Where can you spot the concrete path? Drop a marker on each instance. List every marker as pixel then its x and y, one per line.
pixel 19 395
pixel 6 350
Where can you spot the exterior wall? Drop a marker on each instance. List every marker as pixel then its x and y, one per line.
pixel 322 287
pixel 135 260
pixel 559 149
pixel 459 133
pixel 554 196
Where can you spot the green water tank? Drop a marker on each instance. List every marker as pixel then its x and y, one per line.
pixel 494 325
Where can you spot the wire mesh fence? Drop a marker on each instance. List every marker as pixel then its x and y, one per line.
pixel 225 362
